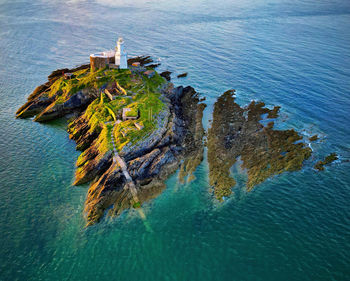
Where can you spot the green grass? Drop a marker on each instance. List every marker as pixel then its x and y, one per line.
pixel 137 205
pixel 111 112
pixel 63 89
pixel 105 140
pixel 132 113
pixel 146 103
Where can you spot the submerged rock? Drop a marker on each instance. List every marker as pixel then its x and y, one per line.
pixel 237 132
pixel 128 164
pixel 314 138
pixel 328 159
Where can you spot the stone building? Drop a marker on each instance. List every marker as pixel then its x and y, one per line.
pixel 149 73
pixel 101 60
pixel 130 114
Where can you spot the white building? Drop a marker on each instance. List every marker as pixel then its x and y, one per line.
pixel 120 55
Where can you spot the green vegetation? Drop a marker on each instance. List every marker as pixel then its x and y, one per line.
pixel 133 112
pixel 62 89
pixel 147 105
pixel 143 99
pixel 137 205
pixel 111 112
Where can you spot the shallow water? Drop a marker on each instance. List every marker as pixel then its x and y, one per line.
pixel 292 227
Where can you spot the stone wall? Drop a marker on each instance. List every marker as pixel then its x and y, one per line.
pixel 97 62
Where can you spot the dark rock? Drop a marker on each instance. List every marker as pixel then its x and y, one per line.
pixel 93 168
pixel 59 72
pixel 166 75
pixel 31 108
pixel 154 65
pixel 107 190
pixel 237 132
pixel 150 161
pixel 77 102
pixel 328 159
pixel 138 167
pixel 143 60
pixel 182 75
pixel 313 138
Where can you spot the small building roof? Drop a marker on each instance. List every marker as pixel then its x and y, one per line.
pixel 105 54
pixel 149 72
pixel 130 113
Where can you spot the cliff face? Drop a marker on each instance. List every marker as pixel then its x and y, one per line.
pixel 59 97
pixel 44 102
pixel 149 163
pixel 169 131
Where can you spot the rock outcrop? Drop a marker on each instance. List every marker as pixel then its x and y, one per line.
pixel 172 136
pixel 175 136
pixel 149 164
pixel 43 102
pixel 237 132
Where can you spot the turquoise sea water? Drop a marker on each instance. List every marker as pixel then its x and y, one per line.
pixel 292 227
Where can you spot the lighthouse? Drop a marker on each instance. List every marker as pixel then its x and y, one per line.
pixel 121 55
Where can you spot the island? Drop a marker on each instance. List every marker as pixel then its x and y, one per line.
pixel 134 128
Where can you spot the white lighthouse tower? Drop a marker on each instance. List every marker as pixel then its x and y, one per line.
pixel 121 55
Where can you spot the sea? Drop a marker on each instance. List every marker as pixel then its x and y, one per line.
pixel 295 226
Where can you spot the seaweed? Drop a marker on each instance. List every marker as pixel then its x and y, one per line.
pixel 314 138
pixel 328 159
pixel 236 132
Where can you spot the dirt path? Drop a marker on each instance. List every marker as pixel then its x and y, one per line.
pixel 130 183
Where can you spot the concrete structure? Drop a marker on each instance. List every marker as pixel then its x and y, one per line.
pixel 139 126
pixel 120 55
pixel 149 73
pixel 101 60
pixel 112 59
pixel 111 93
pixel 113 66
pixel 126 115
pixel 137 68
pixel 114 90
pixel 120 161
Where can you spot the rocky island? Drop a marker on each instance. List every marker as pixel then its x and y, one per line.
pixel 134 129
pixel 132 126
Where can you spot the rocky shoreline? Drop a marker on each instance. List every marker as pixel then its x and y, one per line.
pixel 177 138
pixel 149 165
pixel 167 139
